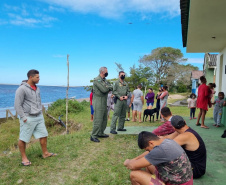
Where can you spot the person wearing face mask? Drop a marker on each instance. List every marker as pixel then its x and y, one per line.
pixel 101 87
pixel 192 105
pixel 121 93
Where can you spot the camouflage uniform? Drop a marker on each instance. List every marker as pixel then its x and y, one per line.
pixel 101 87
pixel 119 89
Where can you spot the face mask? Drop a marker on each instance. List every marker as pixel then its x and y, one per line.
pixel 122 77
pixel 106 74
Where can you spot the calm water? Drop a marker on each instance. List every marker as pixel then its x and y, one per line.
pixel 48 94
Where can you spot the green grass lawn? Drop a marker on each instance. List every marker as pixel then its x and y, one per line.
pixel 79 160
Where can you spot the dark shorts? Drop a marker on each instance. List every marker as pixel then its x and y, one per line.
pixel 148 104
pixel 92 110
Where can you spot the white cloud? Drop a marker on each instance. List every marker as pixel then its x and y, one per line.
pixel 31 15
pixel 8 7
pixel 116 8
pixel 55 9
pixel 195 60
pixel 26 15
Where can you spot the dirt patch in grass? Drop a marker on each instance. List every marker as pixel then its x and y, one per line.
pixel 176 96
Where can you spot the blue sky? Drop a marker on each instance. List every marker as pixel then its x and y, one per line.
pixel 38 34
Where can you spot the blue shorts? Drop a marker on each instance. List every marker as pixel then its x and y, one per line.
pixel 92 110
pixel 148 104
pixel 35 125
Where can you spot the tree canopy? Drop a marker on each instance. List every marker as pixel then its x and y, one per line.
pixel 160 60
pixel 141 75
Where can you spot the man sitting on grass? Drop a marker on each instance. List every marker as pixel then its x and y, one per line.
pixel 166 128
pixel 192 144
pixel 165 162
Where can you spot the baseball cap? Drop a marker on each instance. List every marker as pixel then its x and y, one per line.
pixel 177 122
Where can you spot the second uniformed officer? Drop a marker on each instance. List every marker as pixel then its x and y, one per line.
pixel 101 87
pixel 121 92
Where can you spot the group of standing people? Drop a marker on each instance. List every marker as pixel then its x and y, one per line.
pixel 165 162
pixel 120 93
pixel 117 97
pixel 204 101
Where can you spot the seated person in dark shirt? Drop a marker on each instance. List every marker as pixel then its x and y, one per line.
pixel 165 162
pixel 166 128
pixel 192 144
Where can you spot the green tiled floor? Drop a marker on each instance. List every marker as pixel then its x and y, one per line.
pixel 132 130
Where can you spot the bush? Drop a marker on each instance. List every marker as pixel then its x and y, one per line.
pixel 59 107
pixel 182 88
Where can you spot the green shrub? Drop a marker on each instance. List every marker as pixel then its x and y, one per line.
pixel 59 107
pixel 85 103
pixel 182 88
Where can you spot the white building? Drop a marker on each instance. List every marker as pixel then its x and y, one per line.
pixel 204 31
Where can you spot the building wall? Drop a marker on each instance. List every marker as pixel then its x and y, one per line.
pixel 221 81
pixel 209 74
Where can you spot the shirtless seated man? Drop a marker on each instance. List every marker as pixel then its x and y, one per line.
pixel 192 144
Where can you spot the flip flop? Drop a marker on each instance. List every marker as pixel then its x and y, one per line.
pixel 205 127
pixel 26 163
pixel 198 124
pixel 52 155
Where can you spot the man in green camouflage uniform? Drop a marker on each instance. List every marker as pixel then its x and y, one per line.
pixel 101 87
pixel 121 92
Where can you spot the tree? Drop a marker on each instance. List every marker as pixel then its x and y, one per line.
pixel 160 60
pixel 179 76
pixel 119 67
pixel 141 75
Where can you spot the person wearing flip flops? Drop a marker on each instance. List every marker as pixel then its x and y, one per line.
pixel 29 108
pixel 203 101
pixel 218 109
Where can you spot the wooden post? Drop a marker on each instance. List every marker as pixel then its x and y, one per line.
pixel 7 114
pixel 43 109
pixel 8 111
pixel 67 131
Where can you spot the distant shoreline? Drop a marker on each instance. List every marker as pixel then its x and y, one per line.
pixel 48 85
pixel 14 112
